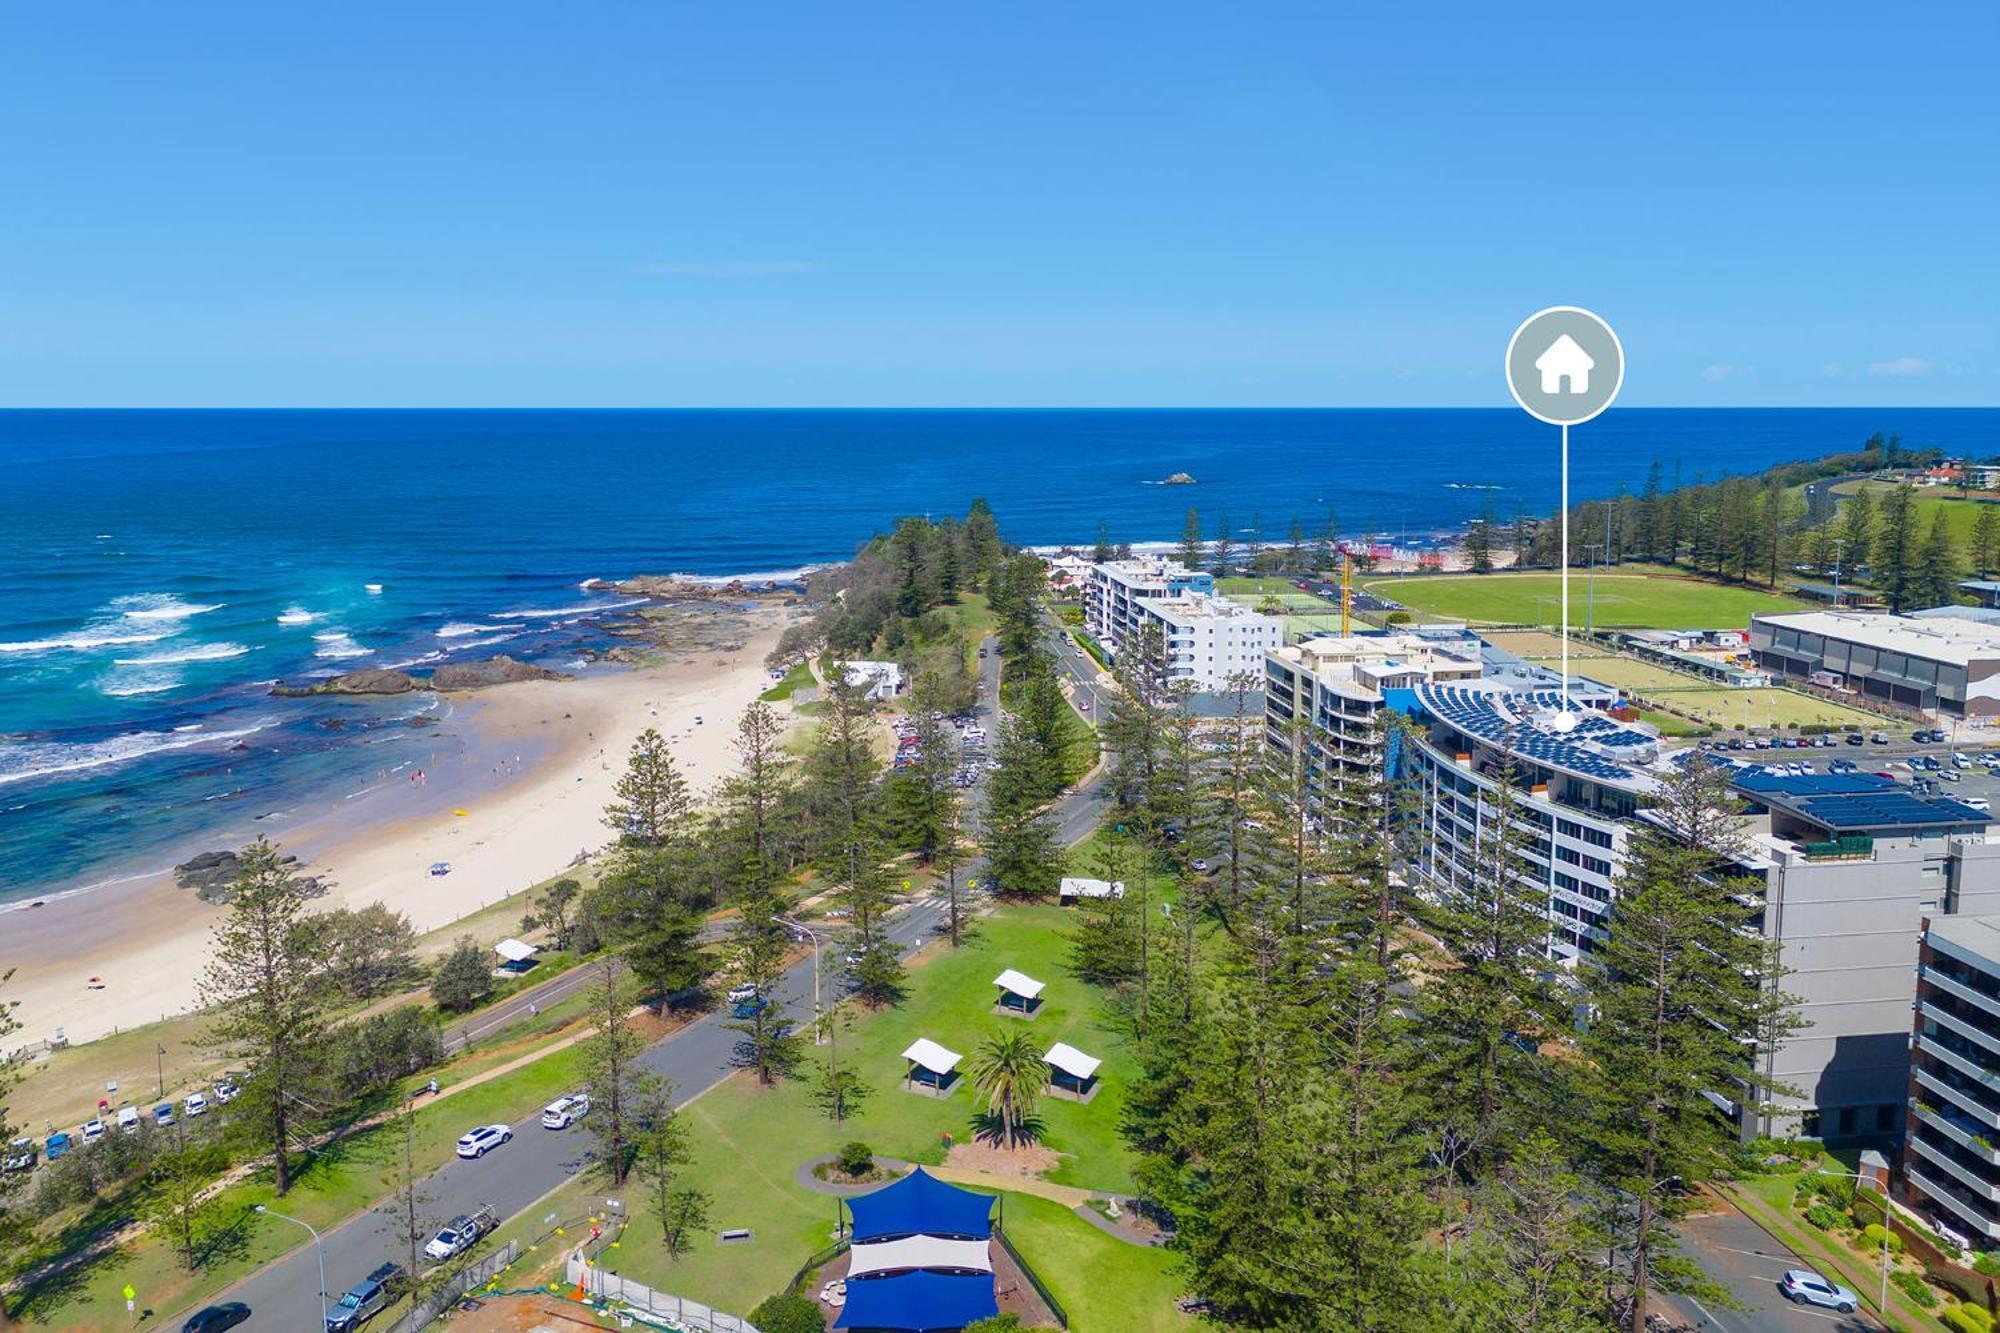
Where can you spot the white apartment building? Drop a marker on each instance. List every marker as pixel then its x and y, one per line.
pixel 1112 593
pixel 1212 643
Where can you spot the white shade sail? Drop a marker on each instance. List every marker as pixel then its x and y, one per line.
pixel 1074 887
pixel 932 1056
pixel 1018 983
pixel 1072 1061
pixel 514 951
pixel 889 1256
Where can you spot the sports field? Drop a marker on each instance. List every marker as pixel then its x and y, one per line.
pixel 1722 705
pixel 1626 600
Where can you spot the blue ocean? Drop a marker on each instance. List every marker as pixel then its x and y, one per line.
pixel 161 569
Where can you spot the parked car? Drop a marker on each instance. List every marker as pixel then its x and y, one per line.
pixel 55 1146
pixel 461 1233
pixel 478 1142
pixel 1856 738
pixel 20 1156
pixel 93 1130
pixel 738 994
pixel 1802 1287
pixel 566 1111
pixel 128 1119
pixel 1979 803
pixel 194 1104
pixel 364 1299
pixel 215 1318
pixel 225 1091
pixel 1880 738
pixel 163 1115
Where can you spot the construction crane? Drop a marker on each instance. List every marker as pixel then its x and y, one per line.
pixel 1346 593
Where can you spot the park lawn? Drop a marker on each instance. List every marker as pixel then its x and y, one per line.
pixel 800 676
pixel 1766 708
pixel 1960 513
pixel 1105 1285
pixel 332 1186
pixel 1654 600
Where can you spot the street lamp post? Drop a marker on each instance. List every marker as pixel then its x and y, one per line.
pixel 807 931
pixel 160 1069
pixel 1881 1301
pixel 319 1252
pixel 1596 549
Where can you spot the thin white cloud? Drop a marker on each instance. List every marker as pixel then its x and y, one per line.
pixel 1901 367
pixel 727 268
pixel 1831 370
pixel 1717 374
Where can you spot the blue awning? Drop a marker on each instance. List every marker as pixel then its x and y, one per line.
pixel 918 1302
pixel 921 1205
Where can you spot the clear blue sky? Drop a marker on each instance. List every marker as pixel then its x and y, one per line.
pixel 924 203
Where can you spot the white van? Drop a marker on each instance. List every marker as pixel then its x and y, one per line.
pixel 128 1119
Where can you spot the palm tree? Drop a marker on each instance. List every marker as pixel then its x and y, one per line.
pixel 1010 1072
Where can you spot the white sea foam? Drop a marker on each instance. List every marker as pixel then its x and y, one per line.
pixel 83 640
pixel 550 613
pixel 297 615
pixel 458 629
pixel 488 641
pixel 161 606
pixel 207 652
pixel 24 761
pixel 126 689
pixel 793 575
pixel 334 644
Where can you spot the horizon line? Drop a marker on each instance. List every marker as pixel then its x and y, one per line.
pixel 978 407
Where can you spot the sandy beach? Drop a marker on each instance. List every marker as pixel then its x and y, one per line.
pixel 147 939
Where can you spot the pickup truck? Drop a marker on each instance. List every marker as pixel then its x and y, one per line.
pixel 461 1233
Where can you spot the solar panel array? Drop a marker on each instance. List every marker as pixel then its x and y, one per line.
pixel 1855 800
pixel 1485 715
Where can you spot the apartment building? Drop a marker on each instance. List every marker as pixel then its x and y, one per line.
pixel 1113 590
pixel 1849 866
pixel 1212 644
pixel 1951 1166
pixel 1340 684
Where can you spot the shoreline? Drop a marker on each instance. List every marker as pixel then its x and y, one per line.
pixel 524 796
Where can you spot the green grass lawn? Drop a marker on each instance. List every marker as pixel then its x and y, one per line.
pixel 331 1186
pixel 749 1140
pixel 1631 600
pixel 1960 514
pixel 799 676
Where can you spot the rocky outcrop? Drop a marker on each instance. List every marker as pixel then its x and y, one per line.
pixel 667 588
pixel 1179 479
pixel 211 876
pixel 373 680
pixel 502 670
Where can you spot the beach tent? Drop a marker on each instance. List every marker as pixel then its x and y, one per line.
pixel 1019 992
pixel 918 1302
pixel 1071 889
pixel 927 1252
pixel 1071 1071
pixel 920 1205
pixel 931 1064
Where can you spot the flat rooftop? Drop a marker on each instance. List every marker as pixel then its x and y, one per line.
pixel 1944 638
pixel 1856 802
pixel 1975 936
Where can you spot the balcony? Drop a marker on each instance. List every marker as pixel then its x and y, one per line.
pixel 1980 1187
pixel 1971 1068
pixel 1961 1129
pixel 1957 1202
pixel 1958 990
pixel 1954 1023
pixel 1963 1099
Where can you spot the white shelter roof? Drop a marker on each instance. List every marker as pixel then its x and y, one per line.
pixel 1072 1061
pixel 932 1056
pixel 514 951
pixel 1072 887
pixel 888 1256
pixel 1018 983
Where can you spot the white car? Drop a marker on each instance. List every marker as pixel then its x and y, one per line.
pixel 225 1092
pixel 566 1111
pixel 479 1142
pixel 195 1104
pixel 1802 1287
pixel 459 1234
pixel 93 1130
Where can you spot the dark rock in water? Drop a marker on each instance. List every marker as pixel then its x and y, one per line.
pixel 211 875
pixel 420 720
pixel 373 680
pixel 333 723
pixel 502 670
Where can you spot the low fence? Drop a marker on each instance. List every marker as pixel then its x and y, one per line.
pixel 1034 1278
pixel 678 1311
pixel 476 1273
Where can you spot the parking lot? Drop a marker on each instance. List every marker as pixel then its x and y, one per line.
pixel 1954 769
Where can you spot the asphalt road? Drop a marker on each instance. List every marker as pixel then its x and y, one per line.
pixel 1748 1260
pixel 285 1294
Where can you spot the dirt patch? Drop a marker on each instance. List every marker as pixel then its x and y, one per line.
pixel 524 1314
pixel 1025 1163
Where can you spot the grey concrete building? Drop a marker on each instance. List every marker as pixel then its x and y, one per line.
pixel 1951 1168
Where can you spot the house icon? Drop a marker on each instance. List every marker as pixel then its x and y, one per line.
pixel 1564 360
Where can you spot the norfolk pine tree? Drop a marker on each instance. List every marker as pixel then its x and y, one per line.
pixel 610 1057
pixel 263 982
